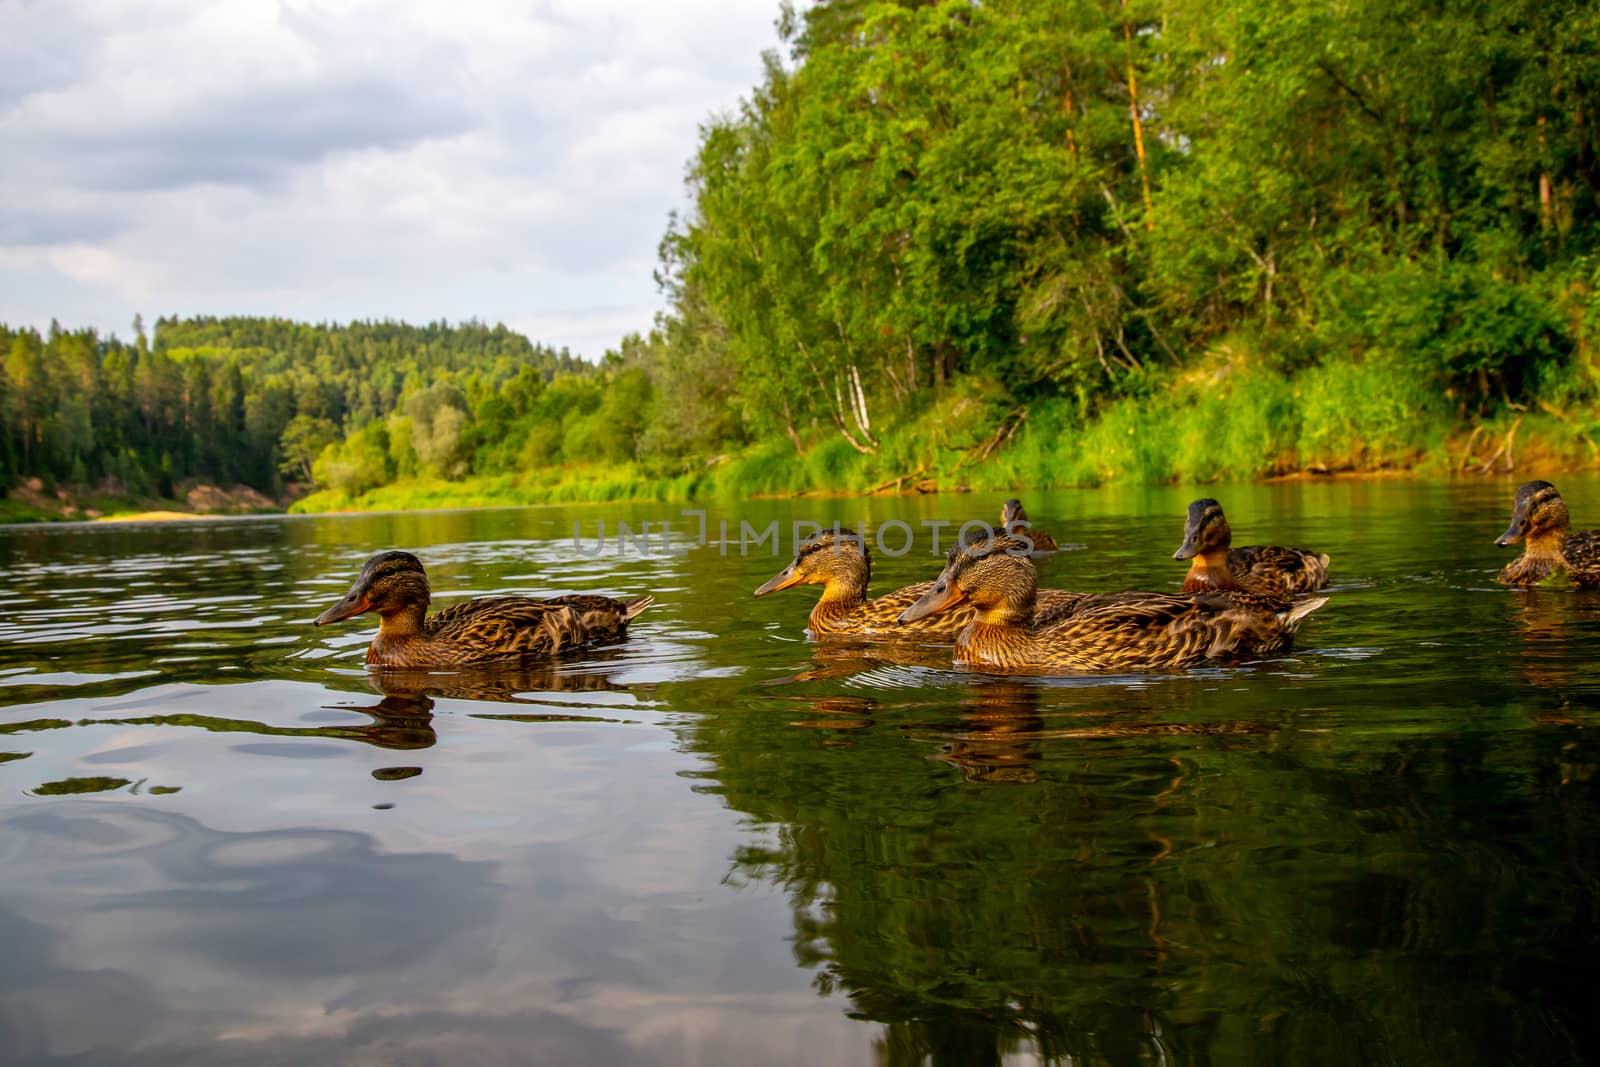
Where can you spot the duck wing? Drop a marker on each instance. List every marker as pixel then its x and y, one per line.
pixel 1583 557
pixel 510 626
pixel 1276 569
pixel 1054 605
pixel 1249 625
pixel 1132 631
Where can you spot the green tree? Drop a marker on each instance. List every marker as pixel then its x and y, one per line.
pixel 303 440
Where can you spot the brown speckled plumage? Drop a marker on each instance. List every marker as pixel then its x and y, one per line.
pixel 487 630
pixel 1552 552
pixel 1268 569
pixel 1127 631
pixel 843 567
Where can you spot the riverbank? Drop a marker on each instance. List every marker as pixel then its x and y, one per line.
pixel 1237 431
pixel 1021 452
pixel 31 500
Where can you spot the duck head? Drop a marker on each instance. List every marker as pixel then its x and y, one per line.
pixel 1205 532
pixel 996 576
pixel 391 583
pixel 836 559
pixel 1537 513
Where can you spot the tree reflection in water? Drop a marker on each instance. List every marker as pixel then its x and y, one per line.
pixel 1079 890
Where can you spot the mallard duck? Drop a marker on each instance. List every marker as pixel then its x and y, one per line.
pixel 1013 521
pixel 839 562
pixel 1012 517
pixel 1267 569
pixel 1552 552
pixel 487 630
pixel 1127 631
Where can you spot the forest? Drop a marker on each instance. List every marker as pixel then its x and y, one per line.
pixel 250 401
pixel 1040 243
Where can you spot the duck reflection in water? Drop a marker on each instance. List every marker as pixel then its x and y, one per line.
pixel 847 658
pixel 403 718
pixel 1001 733
pixel 995 741
pixel 999 742
pixel 507 683
pixel 1545 621
pixel 996 930
pixel 399 720
pixel 1551 623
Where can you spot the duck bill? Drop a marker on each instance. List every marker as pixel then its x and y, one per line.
pixel 1517 530
pixel 1189 549
pixel 790 575
pixel 943 596
pixel 352 605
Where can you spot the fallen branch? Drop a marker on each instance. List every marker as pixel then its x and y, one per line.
pixel 1003 433
pixel 896 483
pixel 1507 449
pixel 1466 453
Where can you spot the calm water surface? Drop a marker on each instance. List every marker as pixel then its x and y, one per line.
pixel 221 842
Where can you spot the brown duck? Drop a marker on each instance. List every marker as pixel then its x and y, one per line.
pixel 840 563
pixel 1268 569
pixel 1552 552
pixel 1012 516
pixel 1129 631
pixel 1013 521
pixel 488 630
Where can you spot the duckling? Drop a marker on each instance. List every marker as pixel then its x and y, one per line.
pixel 839 562
pixel 1128 631
pixel 487 630
pixel 1268 569
pixel 1552 552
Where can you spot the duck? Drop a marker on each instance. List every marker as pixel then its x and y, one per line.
pixel 1268 569
pixel 837 559
pixel 1120 632
pixel 486 630
pixel 1552 552
pixel 1013 519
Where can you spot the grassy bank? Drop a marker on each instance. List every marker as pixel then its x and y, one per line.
pixel 1225 422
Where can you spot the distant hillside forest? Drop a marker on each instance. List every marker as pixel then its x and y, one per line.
pixel 1020 243
pixel 252 401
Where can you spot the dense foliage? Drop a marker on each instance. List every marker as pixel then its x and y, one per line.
pixel 246 400
pixel 1070 239
pixel 1079 198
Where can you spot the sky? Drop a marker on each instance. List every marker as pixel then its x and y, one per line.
pixel 340 159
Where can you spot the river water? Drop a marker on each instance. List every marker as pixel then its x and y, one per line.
pixel 223 842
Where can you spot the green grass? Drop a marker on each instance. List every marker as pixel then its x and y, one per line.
pixel 17 511
pixel 1241 418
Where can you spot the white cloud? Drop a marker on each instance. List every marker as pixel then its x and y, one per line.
pixel 338 160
